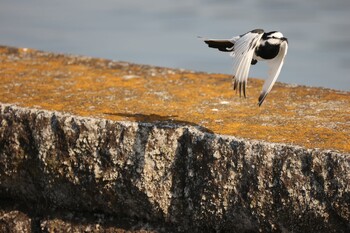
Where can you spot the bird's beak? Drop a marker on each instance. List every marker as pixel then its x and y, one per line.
pixel 284 39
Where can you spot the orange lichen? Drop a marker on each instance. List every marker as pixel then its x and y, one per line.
pixel 311 117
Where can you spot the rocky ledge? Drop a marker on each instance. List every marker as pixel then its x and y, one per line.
pixel 94 145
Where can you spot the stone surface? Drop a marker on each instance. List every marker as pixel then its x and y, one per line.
pixel 14 221
pixel 170 174
pixel 310 117
pixel 17 219
pixel 93 137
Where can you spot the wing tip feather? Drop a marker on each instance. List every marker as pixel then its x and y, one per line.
pixel 240 87
pixel 262 98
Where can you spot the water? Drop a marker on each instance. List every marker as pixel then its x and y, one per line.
pixel 164 32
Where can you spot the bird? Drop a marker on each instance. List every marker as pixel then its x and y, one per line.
pixel 249 48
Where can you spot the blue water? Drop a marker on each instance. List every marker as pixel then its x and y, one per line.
pixel 164 32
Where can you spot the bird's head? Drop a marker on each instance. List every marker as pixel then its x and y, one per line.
pixel 275 38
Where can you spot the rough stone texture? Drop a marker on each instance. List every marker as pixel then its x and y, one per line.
pixel 24 220
pixel 94 145
pixel 14 221
pixel 170 174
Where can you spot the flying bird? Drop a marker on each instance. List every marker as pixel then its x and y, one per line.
pixel 248 49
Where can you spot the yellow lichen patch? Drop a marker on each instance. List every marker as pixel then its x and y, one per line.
pixel 310 117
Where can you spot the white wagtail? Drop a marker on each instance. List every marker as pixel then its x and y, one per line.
pixel 248 49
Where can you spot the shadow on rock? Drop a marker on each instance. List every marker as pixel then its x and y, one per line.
pixel 160 120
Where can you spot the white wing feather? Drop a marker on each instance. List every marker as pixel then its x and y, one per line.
pixel 275 66
pixel 243 53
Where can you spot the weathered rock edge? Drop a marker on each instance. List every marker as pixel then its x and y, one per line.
pixel 178 175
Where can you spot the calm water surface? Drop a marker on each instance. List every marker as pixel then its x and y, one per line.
pixel 164 32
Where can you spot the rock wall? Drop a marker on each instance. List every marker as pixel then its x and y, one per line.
pixel 183 178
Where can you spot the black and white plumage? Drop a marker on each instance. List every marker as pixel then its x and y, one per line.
pixel 247 50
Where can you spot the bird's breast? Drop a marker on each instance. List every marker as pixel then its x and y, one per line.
pixel 267 51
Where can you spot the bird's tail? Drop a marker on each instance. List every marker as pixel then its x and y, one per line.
pixel 222 45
